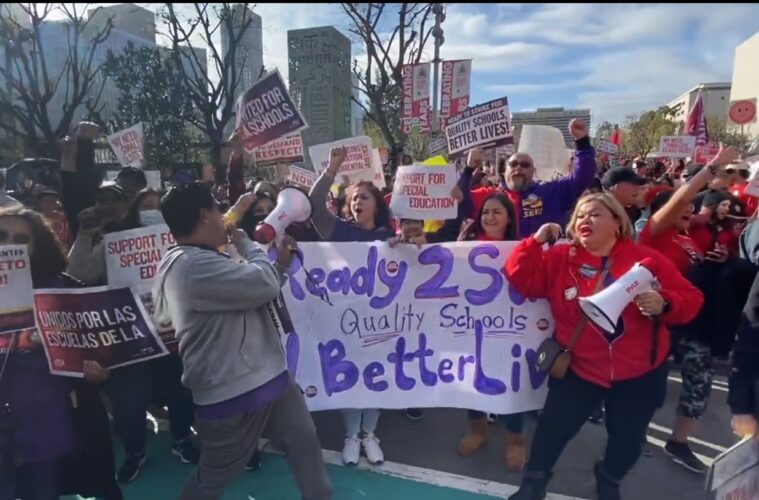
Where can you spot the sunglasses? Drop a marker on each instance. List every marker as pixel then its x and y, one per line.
pixel 15 239
pixel 521 164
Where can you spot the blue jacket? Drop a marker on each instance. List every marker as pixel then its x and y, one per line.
pixel 549 201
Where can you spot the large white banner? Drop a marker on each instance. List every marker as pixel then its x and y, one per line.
pixel 129 146
pixel 381 327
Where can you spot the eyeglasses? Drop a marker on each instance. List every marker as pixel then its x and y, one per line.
pixel 521 164
pixel 15 239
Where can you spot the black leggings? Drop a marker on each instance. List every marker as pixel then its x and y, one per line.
pixel 630 406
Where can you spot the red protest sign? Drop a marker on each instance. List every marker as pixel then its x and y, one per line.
pixel 704 154
pixel 104 324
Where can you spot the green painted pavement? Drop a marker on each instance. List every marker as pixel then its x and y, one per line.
pixel 162 477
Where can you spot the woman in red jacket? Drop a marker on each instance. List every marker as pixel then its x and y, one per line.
pixel 627 370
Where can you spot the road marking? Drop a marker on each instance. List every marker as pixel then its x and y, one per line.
pixel 705 444
pixel 720 386
pixel 427 476
pixel 658 442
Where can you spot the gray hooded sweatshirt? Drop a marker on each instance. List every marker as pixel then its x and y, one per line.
pixel 218 306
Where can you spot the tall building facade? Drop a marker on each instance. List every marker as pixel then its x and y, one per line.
pixel 716 98
pixel 552 117
pixel 746 79
pixel 127 18
pixel 320 82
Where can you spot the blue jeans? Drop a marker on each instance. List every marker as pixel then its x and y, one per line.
pixel 514 422
pixel 31 482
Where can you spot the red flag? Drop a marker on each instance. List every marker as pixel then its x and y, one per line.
pixel 696 122
pixel 616 137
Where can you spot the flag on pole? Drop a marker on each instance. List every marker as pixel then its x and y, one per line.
pixel 696 123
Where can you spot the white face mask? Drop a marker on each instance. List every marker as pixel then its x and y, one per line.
pixel 151 217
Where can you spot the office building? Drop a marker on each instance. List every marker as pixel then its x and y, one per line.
pixel 716 98
pixel 320 83
pixel 745 83
pixel 552 117
pixel 127 18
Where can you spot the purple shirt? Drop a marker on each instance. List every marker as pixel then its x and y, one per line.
pixel 250 401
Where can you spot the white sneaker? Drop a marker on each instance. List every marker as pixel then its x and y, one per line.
pixel 351 451
pixel 372 449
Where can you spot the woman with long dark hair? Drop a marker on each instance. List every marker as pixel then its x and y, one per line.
pixel 62 449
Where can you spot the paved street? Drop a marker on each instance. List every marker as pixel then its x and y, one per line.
pixel 430 444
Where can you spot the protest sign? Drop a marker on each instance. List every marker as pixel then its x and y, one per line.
pixel 753 184
pixel 437 145
pixel 607 147
pixel 153 178
pixel 16 289
pixel 287 149
pixel 547 148
pixel 359 164
pixel 734 474
pixel 379 173
pixel 302 177
pixel 704 154
pixel 381 327
pixel 266 112
pixel 128 146
pixel 422 192
pixel 486 124
pixel 104 324
pixel 677 146
pixel 132 258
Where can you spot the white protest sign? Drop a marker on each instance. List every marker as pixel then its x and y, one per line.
pixel 16 289
pixel 128 146
pixel 302 177
pixel 677 146
pixel 359 164
pixel 153 177
pixel 735 472
pixel 379 173
pixel 381 327
pixel 132 258
pixel 753 185
pixel 424 193
pixel 607 147
pixel 486 124
pixel 437 144
pixel 287 149
pixel 547 148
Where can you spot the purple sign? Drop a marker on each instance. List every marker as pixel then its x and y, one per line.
pixel 266 112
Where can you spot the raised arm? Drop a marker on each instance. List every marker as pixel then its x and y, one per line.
pixel 526 267
pixel 79 177
pixel 324 221
pixel 667 216
pixel 571 187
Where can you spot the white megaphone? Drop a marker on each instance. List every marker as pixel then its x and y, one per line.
pixel 605 307
pixel 293 205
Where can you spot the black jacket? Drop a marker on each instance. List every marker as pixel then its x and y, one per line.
pixel 745 372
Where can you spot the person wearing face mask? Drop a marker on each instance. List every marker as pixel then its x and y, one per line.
pixel 626 369
pixel 537 203
pixel 145 208
pixel 666 231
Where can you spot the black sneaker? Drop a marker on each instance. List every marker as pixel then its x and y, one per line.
pixel 130 469
pixel 414 414
pixel 186 451
pixel 255 462
pixel 682 454
pixel 597 417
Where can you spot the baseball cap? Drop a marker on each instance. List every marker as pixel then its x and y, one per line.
pixel 112 187
pixel 621 174
pixel 739 165
pixel 133 173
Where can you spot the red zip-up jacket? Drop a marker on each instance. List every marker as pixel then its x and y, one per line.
pixel 564 273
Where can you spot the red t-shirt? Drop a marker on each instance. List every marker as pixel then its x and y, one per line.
pixel 680 249
pixel 704 236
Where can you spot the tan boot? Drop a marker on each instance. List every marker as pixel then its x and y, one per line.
pixel 516 451
pixel 475 438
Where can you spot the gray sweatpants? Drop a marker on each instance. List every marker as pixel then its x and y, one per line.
pixel 228 444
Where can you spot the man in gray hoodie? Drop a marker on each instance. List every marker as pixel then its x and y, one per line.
pixel 230 348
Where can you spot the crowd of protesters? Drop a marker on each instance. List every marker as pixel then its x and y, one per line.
pixel 694 227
